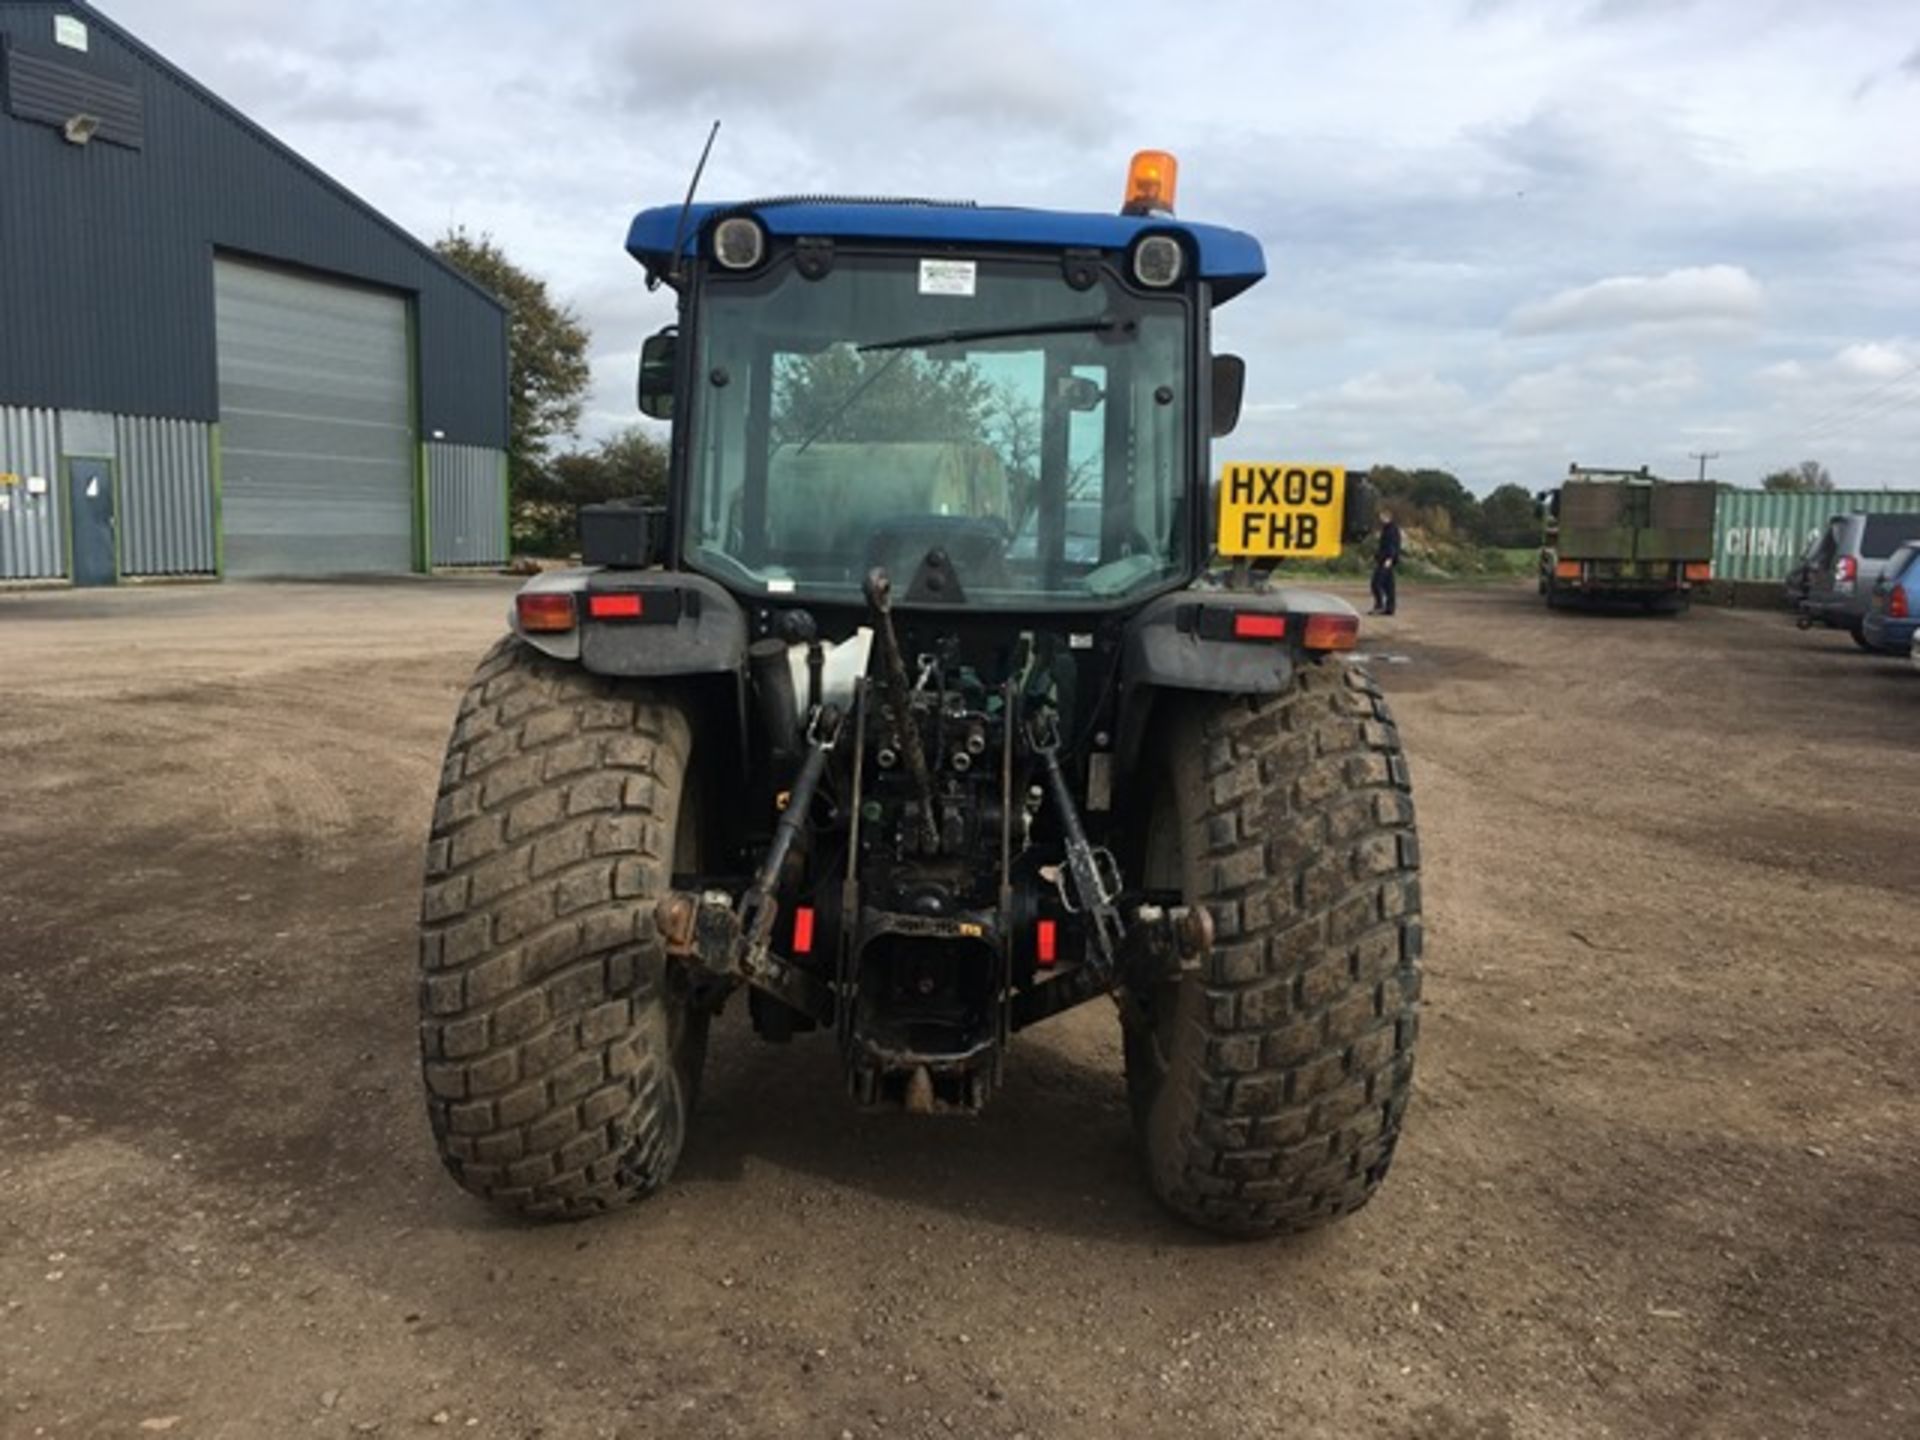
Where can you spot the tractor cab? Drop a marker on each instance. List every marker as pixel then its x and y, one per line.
pixel 856 384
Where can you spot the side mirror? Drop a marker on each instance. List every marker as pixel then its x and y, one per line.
pixel 1229 388
pixel 658 356
pixel 1080 393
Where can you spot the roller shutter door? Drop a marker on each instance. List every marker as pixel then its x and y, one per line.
pixel 316 424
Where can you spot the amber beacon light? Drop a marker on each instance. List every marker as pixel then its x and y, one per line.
pixel 1151 179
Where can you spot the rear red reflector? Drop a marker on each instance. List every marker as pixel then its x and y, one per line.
pixel 803 930
pixel 1331 632
pixel 1247 626
pixel 1046 942
pixel 544 611
pixel 1697 570
pixel 615 607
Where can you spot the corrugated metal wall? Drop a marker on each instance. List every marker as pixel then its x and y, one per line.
pixel 165 496
pixel 105 283
pixel 31 546
pixel 467 497
pixel 1758 535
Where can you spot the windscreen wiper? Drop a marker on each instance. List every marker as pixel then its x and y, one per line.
pixel 1103 326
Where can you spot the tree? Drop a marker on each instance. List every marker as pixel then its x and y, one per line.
pixel 1508 518
pixel 628 466
pixel 1441 491
pixel 546 344
pixel 1808 477
pixel 877 395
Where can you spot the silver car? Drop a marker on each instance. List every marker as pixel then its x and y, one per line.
pixel 1845 563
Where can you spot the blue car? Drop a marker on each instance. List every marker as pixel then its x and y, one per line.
pixel 1893 611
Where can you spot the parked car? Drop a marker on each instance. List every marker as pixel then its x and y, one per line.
pixel 1893 610
pixel 1846 562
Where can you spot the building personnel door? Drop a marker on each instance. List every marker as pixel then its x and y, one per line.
pixel 90 510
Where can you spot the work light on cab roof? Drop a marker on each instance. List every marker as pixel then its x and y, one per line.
pixel 947 691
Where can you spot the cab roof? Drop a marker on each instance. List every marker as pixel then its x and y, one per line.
pixel 1230 260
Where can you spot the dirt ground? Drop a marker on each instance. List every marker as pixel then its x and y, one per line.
pixel 1660 1176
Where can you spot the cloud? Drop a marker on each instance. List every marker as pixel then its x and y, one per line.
pixel 1873 360
pixel 866 78
pixel 1031 86
pixel 1439 249
pixel 1860 369
pixel 726 58
pixel 1711 293
pixel 1389 393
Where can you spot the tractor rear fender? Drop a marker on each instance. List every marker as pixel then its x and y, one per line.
pixel 671 623
pixel 689 634
pixel 1190 641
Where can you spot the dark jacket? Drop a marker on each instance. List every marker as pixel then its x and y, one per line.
pixel 1389 548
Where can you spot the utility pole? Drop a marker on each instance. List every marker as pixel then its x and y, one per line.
pixel 1703 456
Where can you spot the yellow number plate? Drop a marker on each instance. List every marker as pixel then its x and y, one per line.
pixel 1282 509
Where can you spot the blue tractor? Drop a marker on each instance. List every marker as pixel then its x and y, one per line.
pixel 944 694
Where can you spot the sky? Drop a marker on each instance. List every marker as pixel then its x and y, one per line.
pixel 1502 236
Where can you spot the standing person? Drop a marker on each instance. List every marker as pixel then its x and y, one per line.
pixel 1386 558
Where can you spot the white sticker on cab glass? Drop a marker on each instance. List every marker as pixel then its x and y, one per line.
pixel 946 277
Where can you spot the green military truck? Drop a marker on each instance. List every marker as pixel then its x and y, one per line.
pixel 1625 536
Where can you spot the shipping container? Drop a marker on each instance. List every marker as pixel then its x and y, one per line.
pixel 1760 534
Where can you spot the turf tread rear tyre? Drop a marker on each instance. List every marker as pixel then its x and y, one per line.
pixel 558 1053
pixel 1270 1088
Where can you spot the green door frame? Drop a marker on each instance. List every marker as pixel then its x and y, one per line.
pixel 422 506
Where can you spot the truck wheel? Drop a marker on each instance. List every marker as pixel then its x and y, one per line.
pixel 559 1046
pixel 1268 1089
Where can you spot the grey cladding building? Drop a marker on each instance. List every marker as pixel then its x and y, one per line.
pixel 213 358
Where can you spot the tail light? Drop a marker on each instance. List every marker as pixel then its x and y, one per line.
pixel 1566 569
pixel 1698 571
pixel 617 606
pixel 1250 625
pixel 1897 603
pixel 1214 623
pixel 1330 632
pixel 544 611
pixel 1845 571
